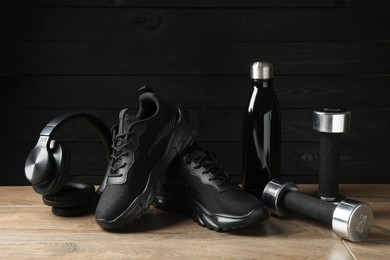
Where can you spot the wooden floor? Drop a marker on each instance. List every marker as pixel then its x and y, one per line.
pixel 28 229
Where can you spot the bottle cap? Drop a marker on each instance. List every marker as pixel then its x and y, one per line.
pixel 261 70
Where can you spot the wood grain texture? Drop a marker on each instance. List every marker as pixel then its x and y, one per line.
pixel 217 125
pixel 92 56
pixel 200 58
pixel 215 3
pixel 203 25
pixel 162 235
pixel 104 92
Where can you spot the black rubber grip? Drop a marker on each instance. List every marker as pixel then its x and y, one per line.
pixel 308 206
pixel 329 165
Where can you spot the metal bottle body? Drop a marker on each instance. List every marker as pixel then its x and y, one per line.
pixel 261 137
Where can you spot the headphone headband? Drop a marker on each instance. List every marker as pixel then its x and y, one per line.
pixel 100 127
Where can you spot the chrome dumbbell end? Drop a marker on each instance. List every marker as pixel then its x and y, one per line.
pixel 352 220
pixel 273 194
pixel 331 120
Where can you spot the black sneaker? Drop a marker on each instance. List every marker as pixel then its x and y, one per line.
pixel 197 185
pixel 143 147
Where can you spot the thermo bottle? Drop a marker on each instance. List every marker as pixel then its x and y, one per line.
pixel 262 131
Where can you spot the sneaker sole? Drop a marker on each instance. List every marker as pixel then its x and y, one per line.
pixel 183 136
pixel 205 218
pixel 221 223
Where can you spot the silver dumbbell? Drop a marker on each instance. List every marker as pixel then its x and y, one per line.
pixel 350 219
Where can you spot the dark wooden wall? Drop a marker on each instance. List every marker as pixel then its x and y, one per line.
pixel 92 56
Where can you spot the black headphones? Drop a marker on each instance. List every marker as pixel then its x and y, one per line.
pixel 47 167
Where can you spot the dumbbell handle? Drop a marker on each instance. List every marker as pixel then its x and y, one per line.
pixel 329 166
pixel 308 206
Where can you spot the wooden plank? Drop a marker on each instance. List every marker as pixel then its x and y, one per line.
pixel 198 92
pixel 17 177
pixel 8 57
pixel 212 4
pixel 360 162
pixel 122 91
pixel 188 4
pixel 6 13
pixel 180 58
pixel 217 125
pixel 204 25
pixel 81 237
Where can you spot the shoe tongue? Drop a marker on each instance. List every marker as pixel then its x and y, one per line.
pixel 196 151
pixel 125 120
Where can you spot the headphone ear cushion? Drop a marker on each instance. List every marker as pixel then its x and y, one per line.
pixel 73 200
pixel 64 167
pixel 73 211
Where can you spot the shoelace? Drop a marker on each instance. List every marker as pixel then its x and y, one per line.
pixel 209 161
pixel 118 151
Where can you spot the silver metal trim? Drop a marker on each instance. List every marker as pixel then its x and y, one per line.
pixel 273 194
pixel 328 199
pixel 331 120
